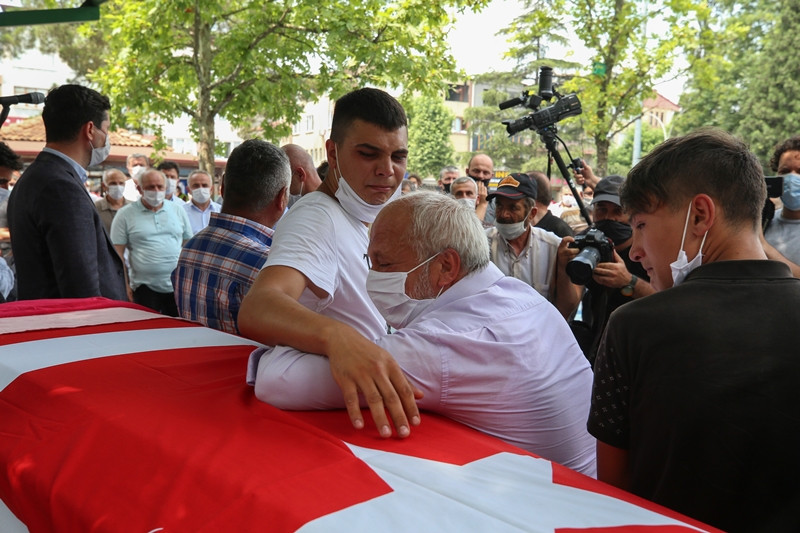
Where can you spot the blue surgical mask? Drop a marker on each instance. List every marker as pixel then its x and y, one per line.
pixel 791 192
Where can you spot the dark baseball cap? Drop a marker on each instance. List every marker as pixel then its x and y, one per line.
pixel 516 186
pixel 607 189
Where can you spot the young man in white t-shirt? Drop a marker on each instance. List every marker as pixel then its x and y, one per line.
pixel 311 295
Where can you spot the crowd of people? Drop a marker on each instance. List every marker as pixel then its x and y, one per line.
pixel 651 346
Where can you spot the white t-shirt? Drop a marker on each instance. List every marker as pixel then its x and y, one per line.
pixel 319 239
pixel 784 235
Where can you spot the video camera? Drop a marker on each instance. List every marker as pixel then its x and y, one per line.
pixel 595 248
pixel 564 106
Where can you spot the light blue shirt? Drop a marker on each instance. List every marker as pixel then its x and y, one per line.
pixel 154 240
pixel 198 218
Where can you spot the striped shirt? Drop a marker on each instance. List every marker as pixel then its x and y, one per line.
pixel 216 269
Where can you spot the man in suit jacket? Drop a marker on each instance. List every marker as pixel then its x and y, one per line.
pixel 60 246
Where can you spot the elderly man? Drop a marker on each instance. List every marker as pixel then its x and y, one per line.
pixel 523 251
pixel 695 391
pixel 113 196
pixel 465 190
pixel 153 232
pixel 305 178
pixel 311 294
pixel 219 264
pixel 485 349
pixel 61 249
pixel 201 206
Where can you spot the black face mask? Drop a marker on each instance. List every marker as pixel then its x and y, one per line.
pixel 618 232
pixel 446 187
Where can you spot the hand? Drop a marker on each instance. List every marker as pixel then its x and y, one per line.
pixel 565 254
pixel 482 193
pixel 129 291
pixel 586 176
pixel 357 366
pixel 612 274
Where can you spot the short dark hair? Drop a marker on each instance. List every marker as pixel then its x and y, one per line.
pixel 370 105
pixel 544 195
pixel 708 161
pixel 168 165
pixel 9 158
pixel 791 144
pixel 68 107
pixel 254 175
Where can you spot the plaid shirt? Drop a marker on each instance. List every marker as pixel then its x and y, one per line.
pixel 216 269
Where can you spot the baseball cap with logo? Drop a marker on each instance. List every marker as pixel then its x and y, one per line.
pixel 515 186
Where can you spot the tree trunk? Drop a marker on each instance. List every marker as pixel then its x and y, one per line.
pixel 601 165
pixel 203 57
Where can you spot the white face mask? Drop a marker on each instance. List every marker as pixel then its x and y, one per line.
pixel 387 290
pixel 154 198
pixel 116 191
pixel 201 195
pixel 100 154
pixel 681 266
pixel 352 202
pixel 467 201
pixel 137 171
pixel 172 184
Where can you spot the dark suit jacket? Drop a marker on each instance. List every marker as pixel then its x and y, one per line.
pixel 60 246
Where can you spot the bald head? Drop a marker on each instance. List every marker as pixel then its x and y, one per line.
pixel 480 167
pixel 305 178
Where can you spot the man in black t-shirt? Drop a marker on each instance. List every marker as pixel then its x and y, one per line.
pixel 694 402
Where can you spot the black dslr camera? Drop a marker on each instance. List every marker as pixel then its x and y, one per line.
pixel 594 248
pixel 564 106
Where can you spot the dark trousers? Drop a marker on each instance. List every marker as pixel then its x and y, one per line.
pixel 162 302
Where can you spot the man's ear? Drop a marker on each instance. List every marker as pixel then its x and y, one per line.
pixel 449 270
pixel 330 148
pixel 703 216
pixel 282 199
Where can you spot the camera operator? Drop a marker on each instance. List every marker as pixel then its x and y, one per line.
pixel 523 251
pixel 613 283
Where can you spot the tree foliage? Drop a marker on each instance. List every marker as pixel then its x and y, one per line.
pixel 629 55
pixel 620 156
pixel 256 63
pixel 429 128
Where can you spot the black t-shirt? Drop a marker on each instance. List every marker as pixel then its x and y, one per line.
pixel 555 225
pixel 701 384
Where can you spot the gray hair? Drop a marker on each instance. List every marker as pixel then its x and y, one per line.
pixel 150 171
pixel 108 172
pixel 464 179
pixel 196 172
pixel 254 175
pixel 449 168
pixel 439 222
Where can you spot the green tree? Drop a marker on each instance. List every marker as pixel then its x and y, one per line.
pixel 770 108
pixel 621 156
pixel 628 55
pixel 256 63
pixel 730 41
pixel 429 128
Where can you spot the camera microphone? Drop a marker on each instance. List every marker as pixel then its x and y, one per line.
pixel 546 83
pixel 28 98
pixel 511 103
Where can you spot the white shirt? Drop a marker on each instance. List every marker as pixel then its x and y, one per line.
pixel 784 235
pixel 319 239
pixel 490 353
pixel 199 218
pixel 131 193
pixel 536 265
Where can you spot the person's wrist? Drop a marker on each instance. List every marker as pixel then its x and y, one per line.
pixel 628 289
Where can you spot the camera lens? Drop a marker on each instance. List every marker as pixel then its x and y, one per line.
pixel 580 268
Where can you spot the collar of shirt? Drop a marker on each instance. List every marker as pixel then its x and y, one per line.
pixel 470 284
pixel 245 226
